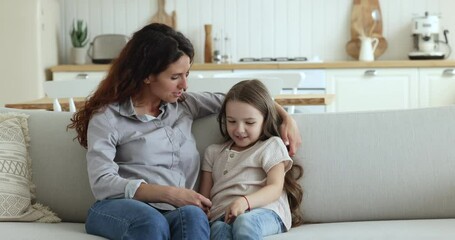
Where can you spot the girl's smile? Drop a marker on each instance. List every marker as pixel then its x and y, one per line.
pixel 243 124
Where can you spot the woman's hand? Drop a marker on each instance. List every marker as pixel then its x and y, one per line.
pixel 183 197
pixel 289 130
pixel 237 207
pixel 290 134
pixel 175 196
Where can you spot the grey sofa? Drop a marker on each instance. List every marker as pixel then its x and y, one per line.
pixel 368 175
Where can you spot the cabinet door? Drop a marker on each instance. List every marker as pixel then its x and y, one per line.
pixel 437 86
pixel 372 89
pixel 206 73
pixel 58 76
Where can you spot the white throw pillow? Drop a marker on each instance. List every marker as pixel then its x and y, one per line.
pixel 16 187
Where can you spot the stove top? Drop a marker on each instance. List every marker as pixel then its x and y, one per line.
pixel 269 59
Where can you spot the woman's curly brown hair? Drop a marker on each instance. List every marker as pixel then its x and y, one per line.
pixel 149 52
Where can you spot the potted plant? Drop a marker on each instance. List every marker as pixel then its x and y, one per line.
pixel 79 39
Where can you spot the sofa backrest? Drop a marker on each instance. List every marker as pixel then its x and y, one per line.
pixel 379 165
pixel 59 169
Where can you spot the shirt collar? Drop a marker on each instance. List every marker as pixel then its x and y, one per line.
pixel 226 146
pixel 126 109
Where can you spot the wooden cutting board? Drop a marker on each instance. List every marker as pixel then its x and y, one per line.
pixel 162 17
pixel 362 23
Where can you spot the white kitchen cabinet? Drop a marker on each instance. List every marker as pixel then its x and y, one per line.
pixel 58 76
pixel 437 87
pixel 295 81
pixel 99 75
pixel 207 73
pixel 372 89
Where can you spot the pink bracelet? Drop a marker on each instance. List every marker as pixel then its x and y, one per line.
pixel 248 202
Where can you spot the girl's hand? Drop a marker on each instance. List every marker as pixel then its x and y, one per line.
pixel 290 134
pixel 237 207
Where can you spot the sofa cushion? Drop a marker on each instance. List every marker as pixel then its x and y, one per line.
pixel 16 187
pixel 55 231
pixel 397 164
pixel 424 229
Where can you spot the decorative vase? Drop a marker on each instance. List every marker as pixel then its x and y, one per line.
pixel 78 55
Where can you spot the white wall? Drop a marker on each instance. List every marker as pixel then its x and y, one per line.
pixel 50 35
pixel 261 28
pixel 19 47
pixel 28 45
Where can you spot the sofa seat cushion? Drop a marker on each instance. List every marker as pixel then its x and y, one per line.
pixel 440 229
pixel 48 231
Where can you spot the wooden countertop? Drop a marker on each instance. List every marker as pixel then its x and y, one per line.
pixel 290 65
pixel 284 100
pixel 46 104
pixel 304 99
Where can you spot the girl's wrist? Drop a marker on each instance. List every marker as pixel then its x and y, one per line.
pixel 247 203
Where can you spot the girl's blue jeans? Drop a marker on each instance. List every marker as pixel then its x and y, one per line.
pixel 255 224
pixel 131 219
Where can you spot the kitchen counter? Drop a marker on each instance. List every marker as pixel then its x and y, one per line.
pixel 46 104
pixel 284 100
pixel 281 65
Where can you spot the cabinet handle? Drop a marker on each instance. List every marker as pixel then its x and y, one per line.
pixel 82 76
pixel 449 72
pixel 371 73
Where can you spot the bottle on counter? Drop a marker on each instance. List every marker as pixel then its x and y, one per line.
pixel 226 57
pixel 208 43
pixel 217 52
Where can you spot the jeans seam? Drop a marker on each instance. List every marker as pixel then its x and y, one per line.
pixel 182 218
pixel 120 220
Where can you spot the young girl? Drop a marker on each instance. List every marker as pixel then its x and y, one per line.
pixel 248 178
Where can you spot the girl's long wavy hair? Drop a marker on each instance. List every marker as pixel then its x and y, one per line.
pixel 149 52
pixel 254 93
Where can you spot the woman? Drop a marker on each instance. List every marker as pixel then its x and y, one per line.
pixel 141 157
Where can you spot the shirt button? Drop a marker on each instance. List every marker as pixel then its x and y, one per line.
pixel 225 171
pixel 231 155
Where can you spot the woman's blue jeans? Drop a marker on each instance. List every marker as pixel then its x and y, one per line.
pixel 131 219
pixel 255 224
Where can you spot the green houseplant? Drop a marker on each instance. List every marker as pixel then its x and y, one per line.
pixel 79 39
pixel 79 34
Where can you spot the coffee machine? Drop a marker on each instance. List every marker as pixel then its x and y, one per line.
pixel 426 43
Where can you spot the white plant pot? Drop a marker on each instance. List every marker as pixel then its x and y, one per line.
pixel 78 55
